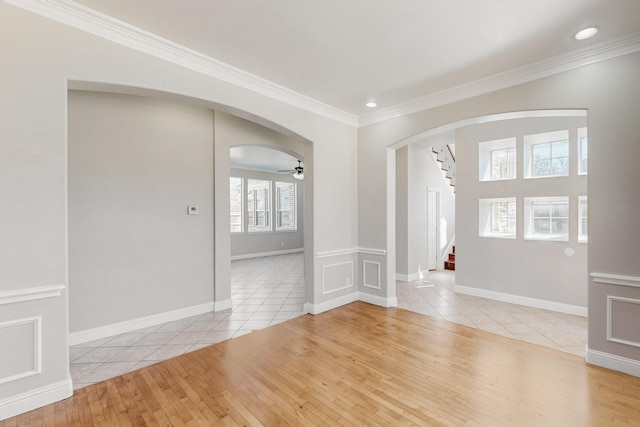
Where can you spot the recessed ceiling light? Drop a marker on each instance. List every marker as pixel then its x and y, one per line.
pixel 371 104
pixel 586 33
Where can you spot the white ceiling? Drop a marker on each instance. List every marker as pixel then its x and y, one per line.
pixel 261 159
pixel 346 52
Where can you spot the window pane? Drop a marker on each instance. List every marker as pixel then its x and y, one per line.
pixel 583 155
pixel 286 206
pixel 559 149
pixel 235 204
pixel 560 210
pixel 258 205
pixel 560 226
pixel 541 210
pixel 541 226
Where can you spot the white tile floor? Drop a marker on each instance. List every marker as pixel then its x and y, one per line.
pixel 270 290
pixel 265 291
pixel 434 296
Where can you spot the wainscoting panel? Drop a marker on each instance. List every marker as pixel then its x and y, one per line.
pixel 337 277
pixel 371 274
pixel 24 338
pixel 623 318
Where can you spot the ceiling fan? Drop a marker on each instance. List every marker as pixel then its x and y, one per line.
pixel 297 172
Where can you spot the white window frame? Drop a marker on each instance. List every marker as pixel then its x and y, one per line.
pixel 531 141
pixel 583 237
pixel 242 204
pixel 583 152
pixel 255 228
pixel 485 158
pixel 529 204
pixel 293 211
pixel 486 218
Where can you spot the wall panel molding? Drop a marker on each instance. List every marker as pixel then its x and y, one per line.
pixel 35 352
pixel 348 285
pixel 30 294
pixel 375 284
pixel 610 316
pixel 616 279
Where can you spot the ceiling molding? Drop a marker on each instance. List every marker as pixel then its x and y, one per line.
pixel 99 24
pixel 531 72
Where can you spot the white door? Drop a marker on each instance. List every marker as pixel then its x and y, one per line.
pixel 432 230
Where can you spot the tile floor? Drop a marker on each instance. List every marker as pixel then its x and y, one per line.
pixel 266 291
pixel 434 296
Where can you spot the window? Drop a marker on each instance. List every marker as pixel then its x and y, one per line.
pixel 497 159
pixel 285 206
pixel 235 205
pixel 582 219
pixel 582 151
pixel 547 154
pixel 547 218
pixel 497 218
pixel 258 205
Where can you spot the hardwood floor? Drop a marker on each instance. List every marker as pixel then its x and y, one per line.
pixel 357 365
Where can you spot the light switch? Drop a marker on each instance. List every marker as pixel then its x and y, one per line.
pixel 192 210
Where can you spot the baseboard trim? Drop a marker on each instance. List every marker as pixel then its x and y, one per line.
pixel 33 399
pixel 520 300
pixel 614 362
pixel 411 277
pixel 222 305
pixel 378 300
pixel 263 254
pixel 331 304
pixel 139 323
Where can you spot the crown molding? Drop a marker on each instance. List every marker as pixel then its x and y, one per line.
pixel 83 18
pixel 516 76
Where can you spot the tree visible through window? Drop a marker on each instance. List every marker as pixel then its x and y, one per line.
pixel 503 217
pixel 503 164
pixel 258 205
pixel 550 158
pixel 285 206
pixel 550 218
pixel 235 204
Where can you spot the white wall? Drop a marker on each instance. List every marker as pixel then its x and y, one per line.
pixel 518 267
pixel 135 164
pixel 246 244
pixel 37 72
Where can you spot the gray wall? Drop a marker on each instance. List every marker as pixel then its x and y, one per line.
pixel 135 164
pixel 246 244
pixel 528 268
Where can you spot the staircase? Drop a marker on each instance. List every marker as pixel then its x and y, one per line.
pixel 451 263
pixel 443 154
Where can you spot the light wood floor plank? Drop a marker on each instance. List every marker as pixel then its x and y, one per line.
pixel 357 365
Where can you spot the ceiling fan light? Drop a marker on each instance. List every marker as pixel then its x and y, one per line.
pixel 298 175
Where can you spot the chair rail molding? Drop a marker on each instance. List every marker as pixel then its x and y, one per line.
pixel 30 294
pixel 616 279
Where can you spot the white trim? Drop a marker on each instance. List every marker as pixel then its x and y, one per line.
pixel 222 305
pixel 30 294
pixel 411 277
pixel 263 254
pixel 350 285
pixel 37 347
pixel 378 300
pixel 616 279
pixel 517 299
pixel 372 251
pixel 612 361
pixel 109 28
pixel 33 399
pixel 338 252
pixel 139 323
pixel 610 337
pixel 364 275
pixel 537 70
pixel 331 304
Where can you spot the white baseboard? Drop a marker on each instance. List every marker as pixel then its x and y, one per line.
pixel 517 299
pixel 612 361
pixel 378 300
pixel 331 304
pixel 30 400
pixel 139 323
pixel 222 305
pixel 411 277
pixel 261 254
